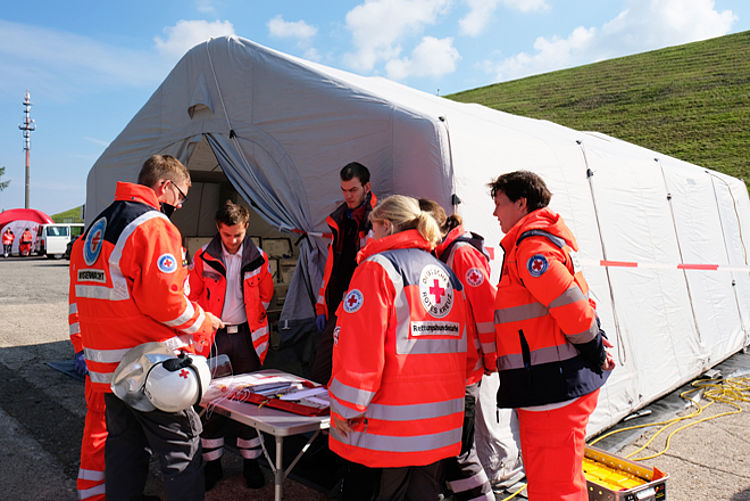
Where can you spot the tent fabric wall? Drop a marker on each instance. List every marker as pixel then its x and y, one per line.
pixel 281 128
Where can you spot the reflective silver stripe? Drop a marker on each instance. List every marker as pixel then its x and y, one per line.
pixel 186 315
pixel 251 453
pixel 585 336
pixel 518 313
pixel 213 455
pixel 489 347
pixel 74 328
pixel 72 308
pixel 265 305
pixel 259 333
pixel 386 443
pixel 321 299
pixel 177 342
pixel 105 356
pixel 251 274
pixel 570 296
pixel 212 443
pixel 261 348
pixel 92 491
pixel 538 357
pixel 195 326
pixel 119 290
pixel 93 475
pixel 100 377
pixel 350 394
pixel 414 411
pixel 344 411
pixel 248 444
pixel 485 327
pixel 467 484
pixel 405 344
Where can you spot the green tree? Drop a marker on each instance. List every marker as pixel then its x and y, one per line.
pixel 3 184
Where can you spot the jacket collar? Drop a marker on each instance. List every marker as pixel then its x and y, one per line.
pixel 408 239
pixel 541 219
pixel 449 238
pixel 251 256
pixel 132 192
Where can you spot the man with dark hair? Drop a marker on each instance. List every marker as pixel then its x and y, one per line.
pixel 231 278
pixel 551 354
pixel 127 289
pixel 351 229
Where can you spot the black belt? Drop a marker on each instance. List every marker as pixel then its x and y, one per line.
pixel 232 329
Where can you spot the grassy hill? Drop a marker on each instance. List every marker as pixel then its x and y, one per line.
pixel 69 216
pixel 690 101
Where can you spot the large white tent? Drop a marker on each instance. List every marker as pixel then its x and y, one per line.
pixel 280 128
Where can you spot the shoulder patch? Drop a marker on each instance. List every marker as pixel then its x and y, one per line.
pixel 353 301
pixel 94 242
pixel 167 263
pixel 537 265
pixel 436 291
pixel 474 277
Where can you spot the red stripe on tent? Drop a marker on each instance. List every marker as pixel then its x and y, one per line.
pixel 623 264
pixel 697 266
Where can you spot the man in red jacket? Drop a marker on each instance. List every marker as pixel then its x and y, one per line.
pixel 230 277
pixel 127 288
pixel 351 230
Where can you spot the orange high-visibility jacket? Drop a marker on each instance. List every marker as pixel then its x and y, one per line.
pixel 127 281
pixel 399 357
pixel 27 237
pixel 464 253
pixel 208 286
pixel 8 238
pixel 335 221
pixel 549 345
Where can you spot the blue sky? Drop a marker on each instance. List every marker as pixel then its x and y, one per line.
pixel 91 65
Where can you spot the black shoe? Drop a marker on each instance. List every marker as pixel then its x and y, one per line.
pixel 213 473
pixel 253 476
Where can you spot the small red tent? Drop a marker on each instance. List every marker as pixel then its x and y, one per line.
pixel 19 219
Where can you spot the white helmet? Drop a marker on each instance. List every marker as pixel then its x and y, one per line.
pixel 177 383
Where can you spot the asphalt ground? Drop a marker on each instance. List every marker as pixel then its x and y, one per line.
pixel 42 412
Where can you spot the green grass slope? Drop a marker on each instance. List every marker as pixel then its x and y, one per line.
pixel 690 101
pixel 69 216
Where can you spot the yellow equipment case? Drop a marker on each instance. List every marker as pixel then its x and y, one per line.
pixel 612 478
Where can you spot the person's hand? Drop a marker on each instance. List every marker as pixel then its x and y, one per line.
pixel 609 362
pixel 320 322
pixel 341 425
pixel 79 364
pixel 216 322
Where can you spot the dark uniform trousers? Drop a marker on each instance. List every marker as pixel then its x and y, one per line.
pixel 173 437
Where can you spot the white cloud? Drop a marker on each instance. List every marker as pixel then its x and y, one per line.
pixel 277 27
pixel 98 142
pixel 379 26
pixel 205 6
pixel 184 35
pixel 644 25
pixel 432 57
pixel 480 12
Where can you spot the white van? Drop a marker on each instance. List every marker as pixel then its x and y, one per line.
pixel 52 239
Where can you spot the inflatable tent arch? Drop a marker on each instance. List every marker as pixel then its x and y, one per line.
pixel 280 128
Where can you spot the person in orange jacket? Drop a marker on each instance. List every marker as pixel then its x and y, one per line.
pixel 399 357
pixel 8 238
pixel 90 482
pixel 231 278
pixel 464 253
pixel 127 287
pixel 25 244
pixel 551 353
pixel 351 230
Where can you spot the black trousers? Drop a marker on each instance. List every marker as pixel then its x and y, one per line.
pixel 173 437
pixel 410 483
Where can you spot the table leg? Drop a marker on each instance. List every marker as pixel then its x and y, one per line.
pixel 278 475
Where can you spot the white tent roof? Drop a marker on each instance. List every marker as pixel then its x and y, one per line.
pixel 281 128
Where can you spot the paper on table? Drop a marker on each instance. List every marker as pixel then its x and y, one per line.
pixel 299 395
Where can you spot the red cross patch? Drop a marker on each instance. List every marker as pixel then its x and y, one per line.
pixel 353 301
pixel 436 291
pixel 184 373
pixel 537 265
pixel 474 277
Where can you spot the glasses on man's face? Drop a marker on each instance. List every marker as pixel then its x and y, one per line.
pixel 184 196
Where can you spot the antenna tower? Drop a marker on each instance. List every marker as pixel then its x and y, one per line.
pixel 27 127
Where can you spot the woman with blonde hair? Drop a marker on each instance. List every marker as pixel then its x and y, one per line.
pixel 399 357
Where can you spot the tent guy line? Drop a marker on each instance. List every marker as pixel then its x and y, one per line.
pixel 663 266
